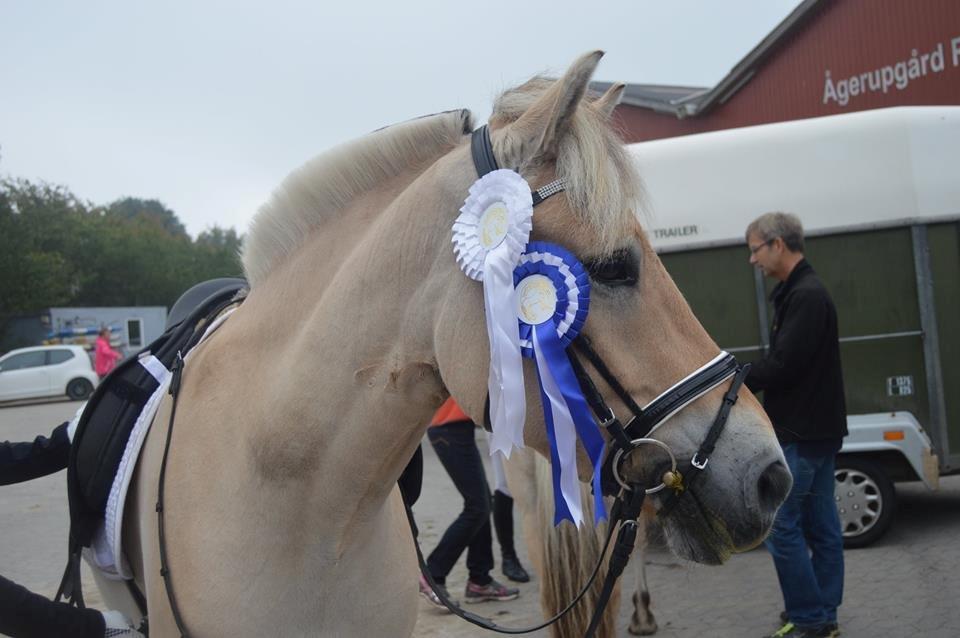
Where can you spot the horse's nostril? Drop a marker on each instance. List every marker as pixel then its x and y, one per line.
pixel 773 485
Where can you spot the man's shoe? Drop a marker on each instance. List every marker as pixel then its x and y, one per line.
pixel 513 570
pixel 491 591
pixel 431 595
pixel 789 630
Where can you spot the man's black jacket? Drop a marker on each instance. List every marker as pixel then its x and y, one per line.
pixel 800 377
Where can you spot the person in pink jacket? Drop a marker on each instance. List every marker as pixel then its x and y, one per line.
pixel 105 357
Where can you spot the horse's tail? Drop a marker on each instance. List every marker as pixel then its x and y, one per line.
pixel 569 556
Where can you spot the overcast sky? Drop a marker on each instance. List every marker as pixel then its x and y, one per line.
pixel 207 105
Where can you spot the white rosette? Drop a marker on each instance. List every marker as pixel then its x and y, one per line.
pixel 489 236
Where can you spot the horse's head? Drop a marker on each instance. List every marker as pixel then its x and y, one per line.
pixel 638 324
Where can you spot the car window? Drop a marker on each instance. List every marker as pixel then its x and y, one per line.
pixel 24 360
pixel 58 356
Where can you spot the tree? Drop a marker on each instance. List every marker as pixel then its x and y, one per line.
pixel 217 254
pixel 56 250
pixel 150 210
pixel 39 228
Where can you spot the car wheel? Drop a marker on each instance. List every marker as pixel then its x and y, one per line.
pixel 79 389
pixel 865 501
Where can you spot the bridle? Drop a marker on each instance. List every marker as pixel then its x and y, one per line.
pixel 623 439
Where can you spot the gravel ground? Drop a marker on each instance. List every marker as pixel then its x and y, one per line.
pixel 904 585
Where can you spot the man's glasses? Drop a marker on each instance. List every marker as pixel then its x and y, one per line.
pixel 755 249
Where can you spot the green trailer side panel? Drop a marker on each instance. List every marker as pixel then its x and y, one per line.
pixel 870 276
pixel 868 364
pixel 718 285
pixel 872 280
pixel 944 241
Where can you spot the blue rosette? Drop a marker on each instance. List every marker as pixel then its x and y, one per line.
pixel 553 299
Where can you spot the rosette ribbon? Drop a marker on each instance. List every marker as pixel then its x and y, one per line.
pixel 553 298
pixel 488 237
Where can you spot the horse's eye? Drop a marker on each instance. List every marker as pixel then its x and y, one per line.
pixel 619 269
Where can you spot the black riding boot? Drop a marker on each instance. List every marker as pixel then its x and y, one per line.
pixel 503 523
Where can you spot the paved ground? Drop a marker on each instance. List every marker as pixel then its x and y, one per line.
pixel 905 585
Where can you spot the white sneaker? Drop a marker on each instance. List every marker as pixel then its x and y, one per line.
pixel 119 625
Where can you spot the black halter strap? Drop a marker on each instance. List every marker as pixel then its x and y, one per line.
pixel 481 149
pixel 644 420
pixel 698 462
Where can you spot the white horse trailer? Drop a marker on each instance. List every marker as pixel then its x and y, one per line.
pixel 878 193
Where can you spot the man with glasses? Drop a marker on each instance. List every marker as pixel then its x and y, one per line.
pixel 802 386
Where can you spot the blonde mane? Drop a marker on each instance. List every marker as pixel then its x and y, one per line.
pixel 318 190
pixel 603 187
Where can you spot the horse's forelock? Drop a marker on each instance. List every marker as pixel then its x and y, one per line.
pixel 603 187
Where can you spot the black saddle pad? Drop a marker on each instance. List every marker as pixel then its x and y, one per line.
pixel 112 411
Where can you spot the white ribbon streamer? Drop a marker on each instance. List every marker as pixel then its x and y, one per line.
pixel 564 431
pixel 505 382
pixel 488 237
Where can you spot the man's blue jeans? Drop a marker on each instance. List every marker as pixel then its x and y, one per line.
pixel 806 542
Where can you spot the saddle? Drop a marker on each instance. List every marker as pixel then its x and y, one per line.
pixel 109 416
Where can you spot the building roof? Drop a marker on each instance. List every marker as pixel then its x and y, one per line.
pixel 685 101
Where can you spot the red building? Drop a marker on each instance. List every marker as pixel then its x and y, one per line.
pixel 825 58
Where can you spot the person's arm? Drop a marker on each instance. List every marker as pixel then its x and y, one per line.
pixel 24 613
pixel 25 461
pixel 801 333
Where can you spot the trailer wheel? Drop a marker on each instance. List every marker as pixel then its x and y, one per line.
pixel 865 500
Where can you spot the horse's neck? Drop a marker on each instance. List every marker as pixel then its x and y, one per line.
pixel 349 360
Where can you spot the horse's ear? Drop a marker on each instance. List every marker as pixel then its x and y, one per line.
pixel 539 130
pixel 609 100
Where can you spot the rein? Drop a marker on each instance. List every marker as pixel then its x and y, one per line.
pixel 625 510
pixel 176 373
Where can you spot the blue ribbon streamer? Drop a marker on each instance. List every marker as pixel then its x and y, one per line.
pixel 552 348
pixel 560 510
pixel 555 354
